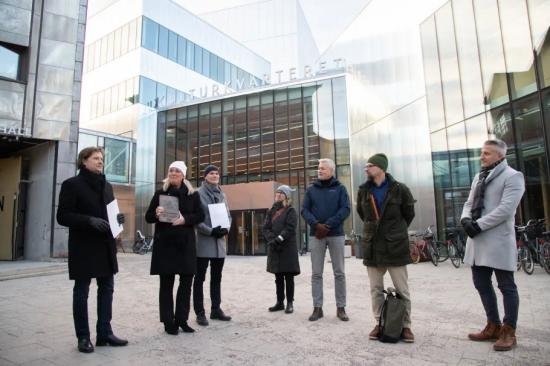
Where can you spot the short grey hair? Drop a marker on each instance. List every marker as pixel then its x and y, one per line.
pixel 499 144
pixel 329 163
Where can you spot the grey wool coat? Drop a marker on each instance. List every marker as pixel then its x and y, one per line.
pixel 207 245
pixel 495 246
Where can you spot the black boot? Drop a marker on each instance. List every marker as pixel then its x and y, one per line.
pixel 171 328
pixel 317 314
pixel 85 346
pixel 289 308
pixel 278 306
pixel 201 319
pixel 219 314
pixel 111 340
pixel 186 328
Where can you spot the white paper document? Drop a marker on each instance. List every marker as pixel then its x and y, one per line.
pixel 218 215
pixel 112 212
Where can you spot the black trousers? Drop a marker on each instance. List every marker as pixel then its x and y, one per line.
pixel 280 279
pixel 166 299
pixel 105 289
pixel 505 280
pixel 216 267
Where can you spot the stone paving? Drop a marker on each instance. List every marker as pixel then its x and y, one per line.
pixel 36 325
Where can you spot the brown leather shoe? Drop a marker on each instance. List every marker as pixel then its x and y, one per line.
pixel 491 332
pixel 317 314
pixel 374 333
pixel 407 335
pixel 341 314
pixel 506 340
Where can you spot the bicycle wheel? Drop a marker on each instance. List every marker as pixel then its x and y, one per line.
pixel 434 256
pixel 415 254
pixel 528 263
pixel 455 257
pixel 442 251
pixel 136 248
pixel 545 256
pixel 520 258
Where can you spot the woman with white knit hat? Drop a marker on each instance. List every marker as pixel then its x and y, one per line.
pixel 174 252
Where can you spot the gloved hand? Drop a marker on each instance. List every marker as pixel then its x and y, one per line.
pixel 321 231
pixel 120 218
pixel 218 232
pixel 224 231
pixel 470 227
pixel 279 239
pixel 99 224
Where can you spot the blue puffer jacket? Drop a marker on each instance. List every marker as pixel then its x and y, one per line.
pixel 326 204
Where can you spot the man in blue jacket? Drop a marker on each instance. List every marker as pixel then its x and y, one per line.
pixel 325 207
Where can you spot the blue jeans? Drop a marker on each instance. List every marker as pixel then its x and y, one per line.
pixel 105 288
pixel 505 279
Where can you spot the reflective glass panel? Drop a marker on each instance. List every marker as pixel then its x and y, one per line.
pixel 9 63
pixel 341 132
pixel 198 59
pixel 173 46
pixel 216 135
pixel 205 62
pixel 190 56
pixel 182 46
pixel 296 128
pixel 268 143
pixel 281 131
pixel 150 34
pixel 326 121
pixel 163 41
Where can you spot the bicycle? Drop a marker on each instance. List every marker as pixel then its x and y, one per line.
pixel 538 245
pixel 142 244
pixel 455 247
pixel 525 259
pixel 425 247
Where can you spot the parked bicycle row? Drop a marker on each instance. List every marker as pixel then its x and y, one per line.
pixel 533 246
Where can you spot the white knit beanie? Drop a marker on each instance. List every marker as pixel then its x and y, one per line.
pixel 180 165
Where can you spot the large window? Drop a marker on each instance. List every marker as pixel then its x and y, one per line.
pixel 9 62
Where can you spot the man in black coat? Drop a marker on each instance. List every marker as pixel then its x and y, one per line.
pixel 92 249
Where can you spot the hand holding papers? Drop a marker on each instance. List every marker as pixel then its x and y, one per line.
pixel 112 212
pixel 171 211
pixel 219 215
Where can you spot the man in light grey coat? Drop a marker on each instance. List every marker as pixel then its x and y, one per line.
pixel 210 248
pixel 488 220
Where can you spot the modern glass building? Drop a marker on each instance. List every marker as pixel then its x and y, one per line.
pixel 487 74
pixel 269 134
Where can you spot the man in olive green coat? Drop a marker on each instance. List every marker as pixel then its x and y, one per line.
pixel 386 207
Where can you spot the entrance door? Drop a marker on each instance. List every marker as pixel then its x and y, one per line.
pixel 245 236
pixel 10 171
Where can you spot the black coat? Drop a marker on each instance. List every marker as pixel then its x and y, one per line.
pixel 92 254
pixel 286 260
pixel 386 241
pixel 174 250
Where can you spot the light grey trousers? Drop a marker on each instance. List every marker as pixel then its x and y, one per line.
pixel 318 247
pixel 399 277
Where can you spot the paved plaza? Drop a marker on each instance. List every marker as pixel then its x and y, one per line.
pixel 36 325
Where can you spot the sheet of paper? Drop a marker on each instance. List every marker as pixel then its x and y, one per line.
pixel 112 212
pixel 219 215
pixel 171 208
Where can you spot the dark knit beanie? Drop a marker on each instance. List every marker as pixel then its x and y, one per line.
pixel 209 169
pixel 380 160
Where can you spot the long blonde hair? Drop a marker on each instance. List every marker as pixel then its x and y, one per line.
pixel 166 185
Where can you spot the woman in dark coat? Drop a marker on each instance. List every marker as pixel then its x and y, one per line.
pixel 282 253
pixel 174 251
pixel 92 250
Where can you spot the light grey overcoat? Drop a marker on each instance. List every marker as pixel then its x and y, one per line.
pixel 207 245
pixel 495 246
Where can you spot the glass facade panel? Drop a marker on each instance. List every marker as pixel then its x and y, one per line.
pixel 254 138
pixel 110 47
pixel 476 135
pixel 517 47
pixel 204 138
pixel 281 132
pixel 216 135
pixel 150 35
pixel 326 122
pixel 163 41
pixel 182 47
pixel 532 153
pixel 117 159
pixel 190 56
pixel 161 95
pixel 213 66
pixel 148 92
pixel 341 133
pixel 499 123
pixel 173 46
pixel 118 34
pixel 448 60
pixel 491 53
pixel 296 128
pixel 193 150
pixel 311 146
pixel 221 70
pixel 198 59
pixel 240 137
pixel 205 63
pixel 468 57
pixel 228 153
pixel 268 142
pixel 161 138
pixel 9 63
pixel 442 179
pixel 124 39
pixel 133 34
pixel 170 136
pixel 181 135
pixel 459 167
pixel 432 75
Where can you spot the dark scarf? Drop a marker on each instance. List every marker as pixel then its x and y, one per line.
pixel 479 193
pixel 277 210
pixel 213 191
pixel 95 180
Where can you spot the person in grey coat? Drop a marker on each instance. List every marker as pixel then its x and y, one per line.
pixel 282 252
pixel 488 220
pixel 210 249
